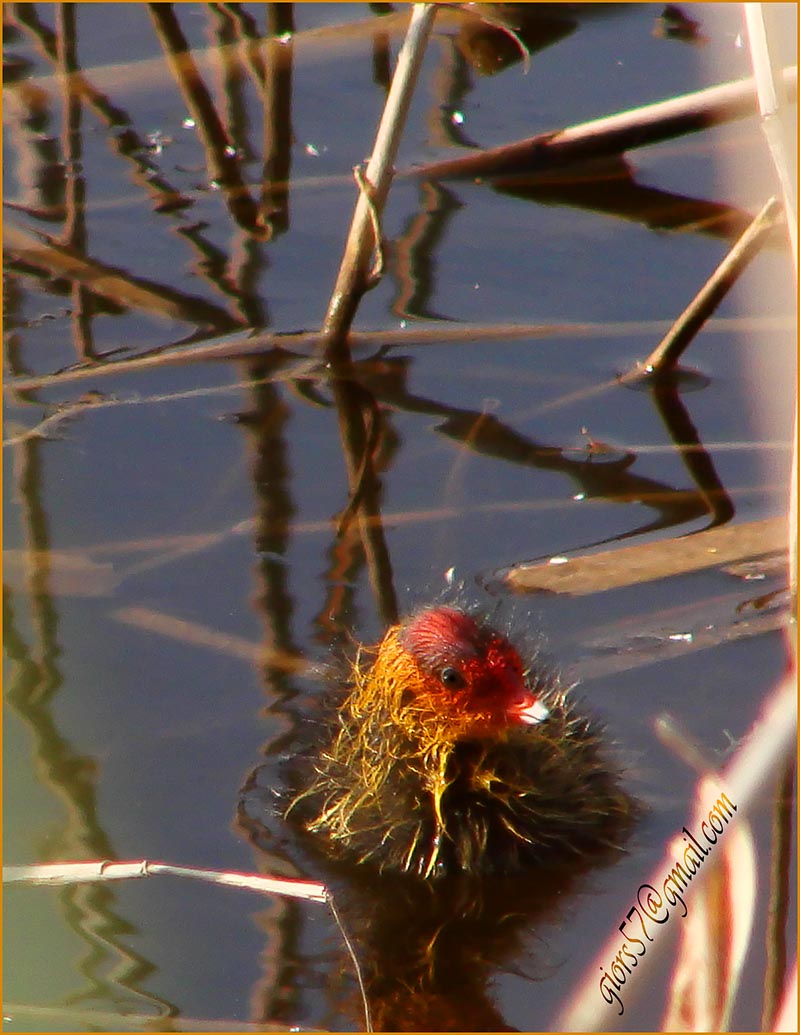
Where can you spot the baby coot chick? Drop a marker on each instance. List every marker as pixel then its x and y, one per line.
pixel 450 755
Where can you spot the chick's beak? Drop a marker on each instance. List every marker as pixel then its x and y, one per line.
pixel 532 712
pixel 526 707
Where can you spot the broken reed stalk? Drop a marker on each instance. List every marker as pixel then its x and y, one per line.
pixel 624 566
pixel 353 278
pixel 85 872
pixel 763 754
pixel 666 354
pixel 610 135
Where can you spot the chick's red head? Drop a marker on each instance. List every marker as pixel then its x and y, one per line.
pixel 469 668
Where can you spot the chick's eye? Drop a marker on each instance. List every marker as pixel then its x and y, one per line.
pixel 451 678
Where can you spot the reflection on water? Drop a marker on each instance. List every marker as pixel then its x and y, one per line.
pixel 191 541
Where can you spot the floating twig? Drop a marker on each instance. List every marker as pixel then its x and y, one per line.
pixel 644 562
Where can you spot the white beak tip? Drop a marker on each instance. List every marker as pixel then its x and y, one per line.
pixel 534 713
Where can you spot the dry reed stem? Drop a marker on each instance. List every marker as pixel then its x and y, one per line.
pixel 610 135
pixel 352 280
pixel 85 872
pixel 248 345
pixel 764 751
pixel 666 354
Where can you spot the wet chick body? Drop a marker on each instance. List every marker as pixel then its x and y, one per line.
pixel 450 755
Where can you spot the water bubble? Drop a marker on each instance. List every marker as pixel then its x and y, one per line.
pixel 681 637
pixel 310 149
pixel 188 123
pixel 558 560
pixel 457 118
